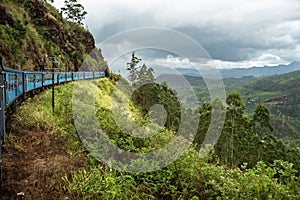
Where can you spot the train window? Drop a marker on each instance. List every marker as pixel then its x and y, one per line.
pixel 11 81
pixel 47 77
pixel 69 75
pixel 19 80
pixel 30 78
pixel 34 78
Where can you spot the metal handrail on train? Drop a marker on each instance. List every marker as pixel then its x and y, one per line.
pixel 15 85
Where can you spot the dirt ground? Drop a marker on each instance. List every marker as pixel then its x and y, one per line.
pixel 34 164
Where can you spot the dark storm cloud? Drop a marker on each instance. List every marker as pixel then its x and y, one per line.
pixel 230 30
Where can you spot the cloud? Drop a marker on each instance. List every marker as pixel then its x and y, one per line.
pixel 176 62
pixel 234 31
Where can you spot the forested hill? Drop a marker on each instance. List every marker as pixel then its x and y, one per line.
pixel 280 93
pixel 282 89
pixel 31 31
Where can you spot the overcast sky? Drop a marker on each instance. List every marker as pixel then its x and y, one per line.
pixel 236 33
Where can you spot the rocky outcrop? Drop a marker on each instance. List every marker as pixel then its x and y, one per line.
pixel 46 34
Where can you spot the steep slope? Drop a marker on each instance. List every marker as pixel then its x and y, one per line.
pixel 32 31
pixel 52 164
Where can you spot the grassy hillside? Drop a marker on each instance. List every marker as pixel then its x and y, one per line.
pixel 189 177
pixel 44 159
pixel 31 31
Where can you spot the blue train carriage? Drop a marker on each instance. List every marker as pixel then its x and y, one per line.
pixel 2 108
pixel 89 75
pixel 75 76
pixel 99 74
pixel 2 114
pixel 47 78
pixel 69 76
pixel 81 76
pixel 33 80
pixel 78 76
pixel 14 85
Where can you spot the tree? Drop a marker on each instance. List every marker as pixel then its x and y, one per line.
pixel 260 125
pixel 74 11
pixel 145 75
pixel 133 68
pixel 234 119
pixel 204 113
pixel 261 120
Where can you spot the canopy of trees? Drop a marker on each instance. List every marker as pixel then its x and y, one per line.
pixel 74 11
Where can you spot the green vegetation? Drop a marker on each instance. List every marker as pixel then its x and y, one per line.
pixel 132 68
pixel 217 176
pixel 192 177
pixel 248 162
pixel 36 114
pixel 41 148
pixel 279 93
pixel 188 178
pixel 33 31
pixel 245 140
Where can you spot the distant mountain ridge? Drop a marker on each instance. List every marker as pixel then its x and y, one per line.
pixel 253 71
